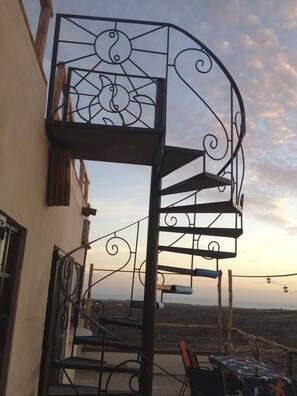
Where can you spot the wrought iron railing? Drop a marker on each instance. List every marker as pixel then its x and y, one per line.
pixel 69 307
pixel 115 69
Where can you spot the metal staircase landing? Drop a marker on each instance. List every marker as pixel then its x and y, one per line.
pixel 127 145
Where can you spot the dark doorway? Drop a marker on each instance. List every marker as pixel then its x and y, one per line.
pixel 9 250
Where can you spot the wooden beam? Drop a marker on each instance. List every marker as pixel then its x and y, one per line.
pixel 164 287
pixel 47 4
pixel 219 287
pixel 60 81
pixel 58 183
pixel 45 15
pixel 89 293
pixel 230 315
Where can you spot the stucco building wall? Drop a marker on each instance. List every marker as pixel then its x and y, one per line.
pixel 23 180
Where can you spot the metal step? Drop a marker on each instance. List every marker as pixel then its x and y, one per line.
pixel 139 305
pixel 198 252
pixel 185 271
pixel 212 207
pixel 220 232
pixel 199 182
pixel 109 143
pixel 124 321
pixel 68 390
pixel 96 340
pixel 176 157
pixel 80 363
pixel 63 390
pixel 175 289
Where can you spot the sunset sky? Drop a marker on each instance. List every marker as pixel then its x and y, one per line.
pixel 256 40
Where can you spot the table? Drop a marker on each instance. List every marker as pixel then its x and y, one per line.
pixel 256 378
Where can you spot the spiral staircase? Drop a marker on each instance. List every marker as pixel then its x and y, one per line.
pixel 122 91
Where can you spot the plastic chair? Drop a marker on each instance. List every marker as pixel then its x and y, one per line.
pixel 193 359
pixel 190 361
pixel 206 383
pixel 187 364
pixel 184 353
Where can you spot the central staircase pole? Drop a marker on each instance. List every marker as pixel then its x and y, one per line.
pixel 147 347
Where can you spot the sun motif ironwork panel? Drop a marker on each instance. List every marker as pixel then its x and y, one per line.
pixel 110 99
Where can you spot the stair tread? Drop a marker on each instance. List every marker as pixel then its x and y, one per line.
pixel 199 182
pixel 125 321
pixel 68 390
pixel 215 231
pixel 81 363
pixel 139 304
pixel 178 270
pixel 198 252
pixel 176 157
pixel 176 289
pixel 96 340
pixel 190 272
pixel 209 207
pixel 62 389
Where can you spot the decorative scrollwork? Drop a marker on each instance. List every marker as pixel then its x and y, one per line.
pixel 132 384
pixel 63 316
pixel 202 63
pixel 193 56
pixel 172 220
pixel 227 174
pixel 113 248
pixel 214 246
pixel 240 124
pixel 67 271
pixel 140 272
pixel 113 46
pixel 98 308
pixel 213 146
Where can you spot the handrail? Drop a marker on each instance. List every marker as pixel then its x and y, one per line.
pixel 257 339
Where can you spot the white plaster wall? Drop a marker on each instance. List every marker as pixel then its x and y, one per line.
pixel 23 178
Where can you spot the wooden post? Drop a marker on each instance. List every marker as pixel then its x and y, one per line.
pixel 81 174
pixel 89 294
pixel 60 81
pixel 230 314
pixel 290 363
pixel 220 310
pixel 70 116
pixel 86 191
pixel 45 15
pixel 58 182
pixel 257 349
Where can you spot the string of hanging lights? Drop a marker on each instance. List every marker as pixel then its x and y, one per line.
pixel 269 280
